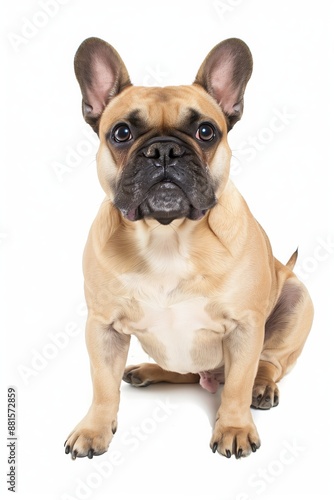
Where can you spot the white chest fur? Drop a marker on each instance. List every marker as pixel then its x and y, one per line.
pixel 174 329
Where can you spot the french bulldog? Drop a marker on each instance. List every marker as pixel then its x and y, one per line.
pixel 175 256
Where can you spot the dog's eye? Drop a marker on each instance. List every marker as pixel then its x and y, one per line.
pixel 205 132
pixel 121 133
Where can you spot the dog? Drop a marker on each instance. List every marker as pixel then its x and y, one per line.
pixel 175 256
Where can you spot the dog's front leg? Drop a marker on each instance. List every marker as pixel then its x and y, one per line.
pixel 234 431
pixel 108 352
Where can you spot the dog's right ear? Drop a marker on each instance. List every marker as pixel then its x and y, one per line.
pixel 101 74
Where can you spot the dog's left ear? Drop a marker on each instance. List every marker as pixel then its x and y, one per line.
pixel 101 74
pixel 224 75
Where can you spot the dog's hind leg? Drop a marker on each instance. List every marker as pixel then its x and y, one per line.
pixel 286 331
pixel 150 373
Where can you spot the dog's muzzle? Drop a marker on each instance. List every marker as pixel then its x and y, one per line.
pixel 165 180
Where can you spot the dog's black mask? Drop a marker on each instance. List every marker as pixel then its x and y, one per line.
pixel 165 180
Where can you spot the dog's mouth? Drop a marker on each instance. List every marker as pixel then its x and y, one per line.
pixel 165 180
pixel 164 202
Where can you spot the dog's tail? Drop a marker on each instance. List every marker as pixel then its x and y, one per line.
pixel 292 261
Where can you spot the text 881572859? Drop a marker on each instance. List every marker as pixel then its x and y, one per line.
pixel 12 438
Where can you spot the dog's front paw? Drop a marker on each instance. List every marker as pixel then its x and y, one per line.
pixel 89 439
pixel 265 394
pixel 238 441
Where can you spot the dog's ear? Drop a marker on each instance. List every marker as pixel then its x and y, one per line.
pixel 224 75
pixel 101 74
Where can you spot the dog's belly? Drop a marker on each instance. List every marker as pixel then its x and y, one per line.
pixel 180 337
pixel 173 326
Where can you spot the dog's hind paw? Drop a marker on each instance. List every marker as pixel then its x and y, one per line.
pixel 137 375
pixel 265 394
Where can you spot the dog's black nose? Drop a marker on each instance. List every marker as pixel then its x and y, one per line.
pixel 164 153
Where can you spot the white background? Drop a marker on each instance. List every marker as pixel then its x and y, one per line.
pixel 45 218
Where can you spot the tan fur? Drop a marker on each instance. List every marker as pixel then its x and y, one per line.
pixel 199 295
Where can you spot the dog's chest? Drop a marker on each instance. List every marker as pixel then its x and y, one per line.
pixel 174 327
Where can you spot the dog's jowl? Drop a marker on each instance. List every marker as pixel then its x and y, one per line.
pixel 174 255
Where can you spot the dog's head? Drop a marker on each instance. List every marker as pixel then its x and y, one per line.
pixel 163 151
